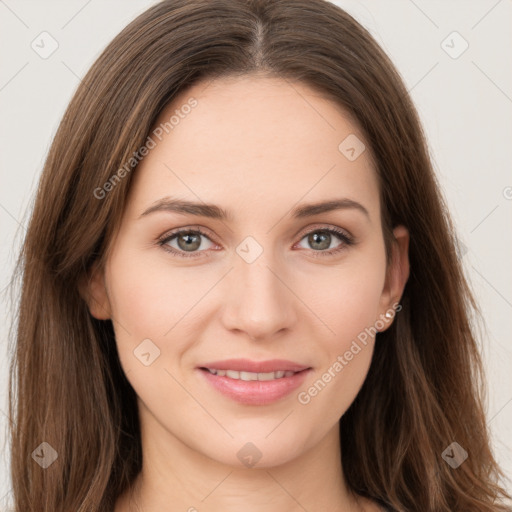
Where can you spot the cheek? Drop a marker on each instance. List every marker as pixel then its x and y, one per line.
pixel 148 303
pixel 346 356
pixel 349 306
pixel 149 296
pixel 346 300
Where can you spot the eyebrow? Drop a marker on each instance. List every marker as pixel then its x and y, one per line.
pixel 168 204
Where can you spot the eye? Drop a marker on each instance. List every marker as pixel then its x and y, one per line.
pixel 321 239
pixel 186 243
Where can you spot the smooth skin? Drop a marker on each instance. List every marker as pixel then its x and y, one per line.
pixel 257 147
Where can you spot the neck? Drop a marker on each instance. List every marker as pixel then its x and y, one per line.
pixel 175 477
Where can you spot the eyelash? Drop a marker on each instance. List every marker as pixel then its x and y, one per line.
pixel 342 235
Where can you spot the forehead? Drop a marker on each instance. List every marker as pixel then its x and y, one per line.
pixel 253 141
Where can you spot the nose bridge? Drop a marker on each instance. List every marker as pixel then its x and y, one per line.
pixel 259 302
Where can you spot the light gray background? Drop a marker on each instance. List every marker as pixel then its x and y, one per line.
pixel 465 105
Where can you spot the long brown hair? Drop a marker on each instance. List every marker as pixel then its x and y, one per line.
pixel 425 387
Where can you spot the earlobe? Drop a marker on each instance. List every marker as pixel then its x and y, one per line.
pixel 94 292
pixel 397 274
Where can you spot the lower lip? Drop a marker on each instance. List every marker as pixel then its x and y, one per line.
pixel 255 392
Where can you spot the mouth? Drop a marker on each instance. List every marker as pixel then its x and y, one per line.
pixel 249 376
pixel 250 366
pixel 254 383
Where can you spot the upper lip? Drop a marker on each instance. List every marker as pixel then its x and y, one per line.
pixel 247 365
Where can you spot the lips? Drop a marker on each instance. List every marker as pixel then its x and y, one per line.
pixel 254 382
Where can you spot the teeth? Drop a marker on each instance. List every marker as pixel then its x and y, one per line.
pixel 248 376
pixel 233 374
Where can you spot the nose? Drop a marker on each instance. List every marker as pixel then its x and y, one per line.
pixel 259 299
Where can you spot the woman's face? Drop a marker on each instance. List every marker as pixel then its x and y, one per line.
pixel 263 282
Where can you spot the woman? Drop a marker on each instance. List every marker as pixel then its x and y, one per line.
pixel 240 284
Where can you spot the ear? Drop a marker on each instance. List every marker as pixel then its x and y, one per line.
pixel 396 276
pixel 94 292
